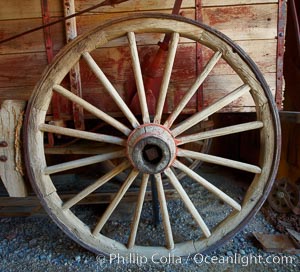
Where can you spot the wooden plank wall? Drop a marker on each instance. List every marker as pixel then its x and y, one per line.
pixel 251 23
pixel 253 26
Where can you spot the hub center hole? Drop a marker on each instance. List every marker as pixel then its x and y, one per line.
pixel 152 154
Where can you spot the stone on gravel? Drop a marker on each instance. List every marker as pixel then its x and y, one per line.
pixel 242 252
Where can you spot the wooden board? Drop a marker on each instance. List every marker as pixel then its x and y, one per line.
pixel 34 42
pixel 215 3
pixel 32 8
pixel 251 23
pixel 218 86
pixel 110 59
pixel 136 5
pixel 263 52
pixel 239 23
pixel 11 170
pixel 15 10
pixel 27 69
pixel 31 43
pixel 30 205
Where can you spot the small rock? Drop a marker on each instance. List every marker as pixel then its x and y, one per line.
pixel 229 253
pixel 20 255
pixel 49 257
pixel 242 252
pixel 32 242
pixel 77 258
pixel 55 261
pixel 11 236
pixel 42 257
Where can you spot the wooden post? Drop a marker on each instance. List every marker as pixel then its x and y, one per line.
pixel 75 78
pixel 11 165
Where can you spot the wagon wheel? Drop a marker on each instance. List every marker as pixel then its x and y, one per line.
pixel 284 196
pixel 153 146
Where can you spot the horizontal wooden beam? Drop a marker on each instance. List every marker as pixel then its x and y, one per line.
pixel 290 116
pixel 95 198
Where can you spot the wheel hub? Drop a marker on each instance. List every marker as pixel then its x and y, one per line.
pixel 280 194
pixel 151 148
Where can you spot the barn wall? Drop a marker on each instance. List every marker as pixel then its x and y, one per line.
pixel 251 23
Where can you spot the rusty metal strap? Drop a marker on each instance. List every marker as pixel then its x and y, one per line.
pixel 104 3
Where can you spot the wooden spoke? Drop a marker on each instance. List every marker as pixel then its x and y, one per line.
pixel 219 132
pixel 92 109
pixel 118 197
pixel 189 94
pixel 187 201
pixel 210 187
pixel 138 77
pixel 218 160
pixel 166 77
pixel 221 103
pixel 189 160
pixel 84 162
pixel 164 212
pixel 110 89
pixel 88 190
pixel 138 211
pixel 80 149
pixel 83 134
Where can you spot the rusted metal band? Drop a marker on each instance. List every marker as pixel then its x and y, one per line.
pixel 282 13
pixel 49 51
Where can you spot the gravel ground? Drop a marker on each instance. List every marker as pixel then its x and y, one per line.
pixel 37 244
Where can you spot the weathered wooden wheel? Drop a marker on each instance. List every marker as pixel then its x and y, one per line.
pixel 152 146
pixel 284 196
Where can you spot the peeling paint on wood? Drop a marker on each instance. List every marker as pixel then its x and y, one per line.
pixel 254 27
pixel 11 115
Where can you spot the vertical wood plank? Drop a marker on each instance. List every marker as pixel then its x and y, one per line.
pixel 11 170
